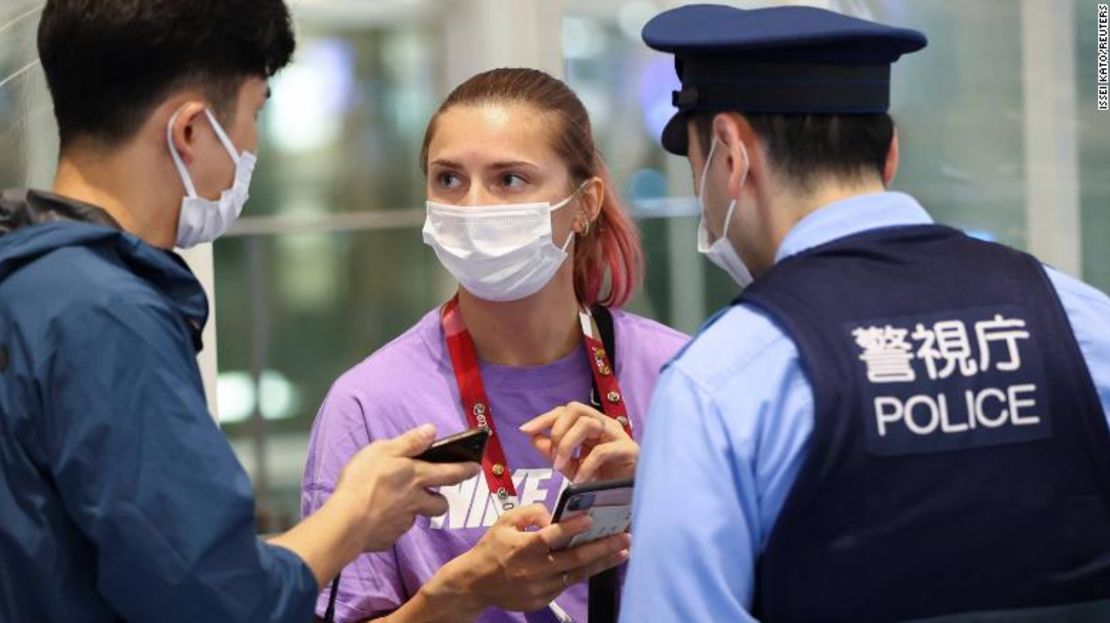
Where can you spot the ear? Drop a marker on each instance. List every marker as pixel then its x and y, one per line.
pixel 593 197
pixel 183 132
pixel 737 141
pixel 890 169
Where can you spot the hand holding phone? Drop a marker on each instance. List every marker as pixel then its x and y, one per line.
pixel 466 447
pixel 608 504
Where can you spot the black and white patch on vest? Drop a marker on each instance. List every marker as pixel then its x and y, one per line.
pixel 950 381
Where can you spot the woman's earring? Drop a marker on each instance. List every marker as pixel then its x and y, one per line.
pixel 586 230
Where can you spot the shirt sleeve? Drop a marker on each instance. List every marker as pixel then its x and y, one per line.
pixel 694 514
pixel 727 432
pixel 371 585
pixel 1088 311
pixel 149 479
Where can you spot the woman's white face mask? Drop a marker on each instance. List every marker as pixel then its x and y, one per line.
pixel 497 252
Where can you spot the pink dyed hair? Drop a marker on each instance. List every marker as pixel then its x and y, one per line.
pixel 612 245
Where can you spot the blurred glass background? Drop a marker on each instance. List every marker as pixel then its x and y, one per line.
pixel 999 133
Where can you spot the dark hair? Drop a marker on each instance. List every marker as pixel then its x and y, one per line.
pixel 108 63
pixel 803 149
pixel 612 248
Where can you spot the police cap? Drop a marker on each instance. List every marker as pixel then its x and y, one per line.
pixel 783 60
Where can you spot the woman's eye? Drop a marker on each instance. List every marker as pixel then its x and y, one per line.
pixel 449 180
pixel 513 181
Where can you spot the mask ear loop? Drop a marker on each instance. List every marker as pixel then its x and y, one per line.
pixel 566 245
pixel 563 204
pixel 571 196
pixel 732 204
pixel 182 171
pixel 222 135
pixel 705 169
pixel 705 175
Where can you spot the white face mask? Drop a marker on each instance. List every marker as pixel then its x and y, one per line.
pixel 203 220
pixel 497 252
pixel 721 252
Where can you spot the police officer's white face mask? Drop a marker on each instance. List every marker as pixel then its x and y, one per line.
pixel 721 252
pixel 497 252
pixel 204 220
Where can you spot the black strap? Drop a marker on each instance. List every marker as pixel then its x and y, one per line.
pixel 604 320
pixel 604 604
pixel 329 614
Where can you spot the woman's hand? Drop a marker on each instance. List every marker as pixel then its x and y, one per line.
pixel 584 443
pixel 519 564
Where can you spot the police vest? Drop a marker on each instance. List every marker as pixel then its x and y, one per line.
pixel 960 459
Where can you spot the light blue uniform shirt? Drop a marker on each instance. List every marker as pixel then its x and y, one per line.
pixel 730 423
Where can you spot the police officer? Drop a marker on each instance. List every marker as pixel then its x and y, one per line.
pixel 894 421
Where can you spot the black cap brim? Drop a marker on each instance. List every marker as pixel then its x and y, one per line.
pixel 676 137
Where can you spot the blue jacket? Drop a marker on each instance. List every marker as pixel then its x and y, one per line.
pixel 119 496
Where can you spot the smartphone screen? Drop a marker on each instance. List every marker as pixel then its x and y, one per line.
pixel 609 505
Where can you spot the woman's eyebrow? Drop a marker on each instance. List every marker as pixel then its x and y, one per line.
pixel 511 164
pixel 447 164
pixel 493 166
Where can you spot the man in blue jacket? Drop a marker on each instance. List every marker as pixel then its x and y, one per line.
pixel 119 497
pixel 894 421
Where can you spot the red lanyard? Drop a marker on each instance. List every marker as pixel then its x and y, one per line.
pixel 464 360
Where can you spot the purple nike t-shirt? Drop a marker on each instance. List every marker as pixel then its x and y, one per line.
pixel 410 382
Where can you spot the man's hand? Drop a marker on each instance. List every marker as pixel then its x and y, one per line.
pixel 386 489
pixel 378 497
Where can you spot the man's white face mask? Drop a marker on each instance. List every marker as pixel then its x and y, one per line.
pixel 721 252
pixel 204 220
pixel 497 252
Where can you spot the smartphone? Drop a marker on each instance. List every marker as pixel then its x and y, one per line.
pixel 608 503
pixel 466 447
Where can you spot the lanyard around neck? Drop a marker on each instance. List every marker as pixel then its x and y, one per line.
pixel 464 360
